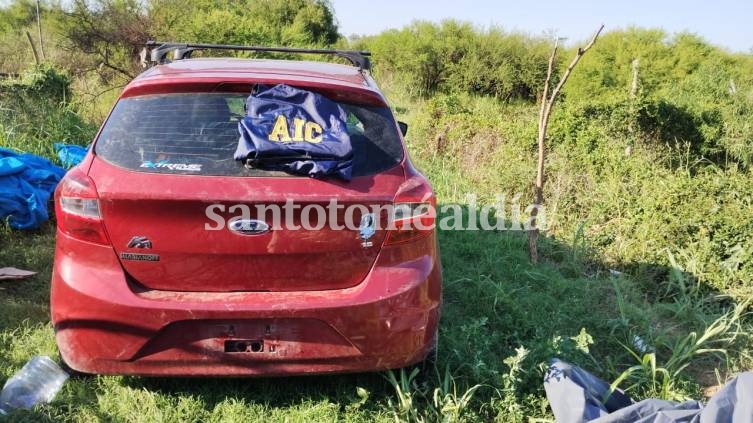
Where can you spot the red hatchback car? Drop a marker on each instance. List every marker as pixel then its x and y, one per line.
pixel 147 281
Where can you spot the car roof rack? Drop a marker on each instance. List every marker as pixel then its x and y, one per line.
pixel 159 51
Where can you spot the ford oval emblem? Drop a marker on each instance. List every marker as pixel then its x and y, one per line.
pixel 248 227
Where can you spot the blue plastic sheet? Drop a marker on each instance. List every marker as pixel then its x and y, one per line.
pixel 26 185
pixel 577 396
pixel 70 154
pixel 296 131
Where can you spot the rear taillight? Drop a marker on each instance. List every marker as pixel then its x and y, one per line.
pixel 77 208
pixel 414 215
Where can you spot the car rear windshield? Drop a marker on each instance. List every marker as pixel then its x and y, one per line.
pixel 197 133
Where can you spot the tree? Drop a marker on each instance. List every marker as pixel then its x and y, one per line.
pixel 111 33
pixel 547 102
pixel 295 23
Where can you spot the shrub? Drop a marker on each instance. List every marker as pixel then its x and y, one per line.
pixel 454 57
pixel 36 110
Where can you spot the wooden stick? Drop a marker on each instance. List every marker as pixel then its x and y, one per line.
pixel 33 49
pixel 39 29
pixel 542 115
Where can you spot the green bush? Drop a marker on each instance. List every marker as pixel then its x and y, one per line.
pixel 36 110
pixel 685 92
pixel 455 57
pixel 637 84
pixel 294 23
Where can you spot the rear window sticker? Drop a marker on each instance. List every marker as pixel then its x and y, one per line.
pixel 164 164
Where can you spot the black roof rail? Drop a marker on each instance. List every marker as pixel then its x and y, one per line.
pixel 159 51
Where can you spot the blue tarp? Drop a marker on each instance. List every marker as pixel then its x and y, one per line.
pixel 70 154
pixel 26 184
pixel 296 131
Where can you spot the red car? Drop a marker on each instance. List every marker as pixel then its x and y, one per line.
pixel 156 273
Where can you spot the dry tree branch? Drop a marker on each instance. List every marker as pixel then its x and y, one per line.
pixel 549 69
pixel 547 102
pixel 569 70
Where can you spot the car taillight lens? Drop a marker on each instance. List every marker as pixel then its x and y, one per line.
pixel 415 212
pixel 77 208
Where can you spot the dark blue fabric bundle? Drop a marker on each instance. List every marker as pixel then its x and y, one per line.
pixel 295 131
pixel 26 184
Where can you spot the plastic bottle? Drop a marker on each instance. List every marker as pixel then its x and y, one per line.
pixel 38 381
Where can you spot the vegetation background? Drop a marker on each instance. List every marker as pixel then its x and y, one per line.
pixel 647 274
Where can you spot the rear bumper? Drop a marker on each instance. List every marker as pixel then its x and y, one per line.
pixel 104 325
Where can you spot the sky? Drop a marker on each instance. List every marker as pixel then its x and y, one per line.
pixel 725 23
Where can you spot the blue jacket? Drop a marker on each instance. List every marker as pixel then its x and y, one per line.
pixel 296 131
